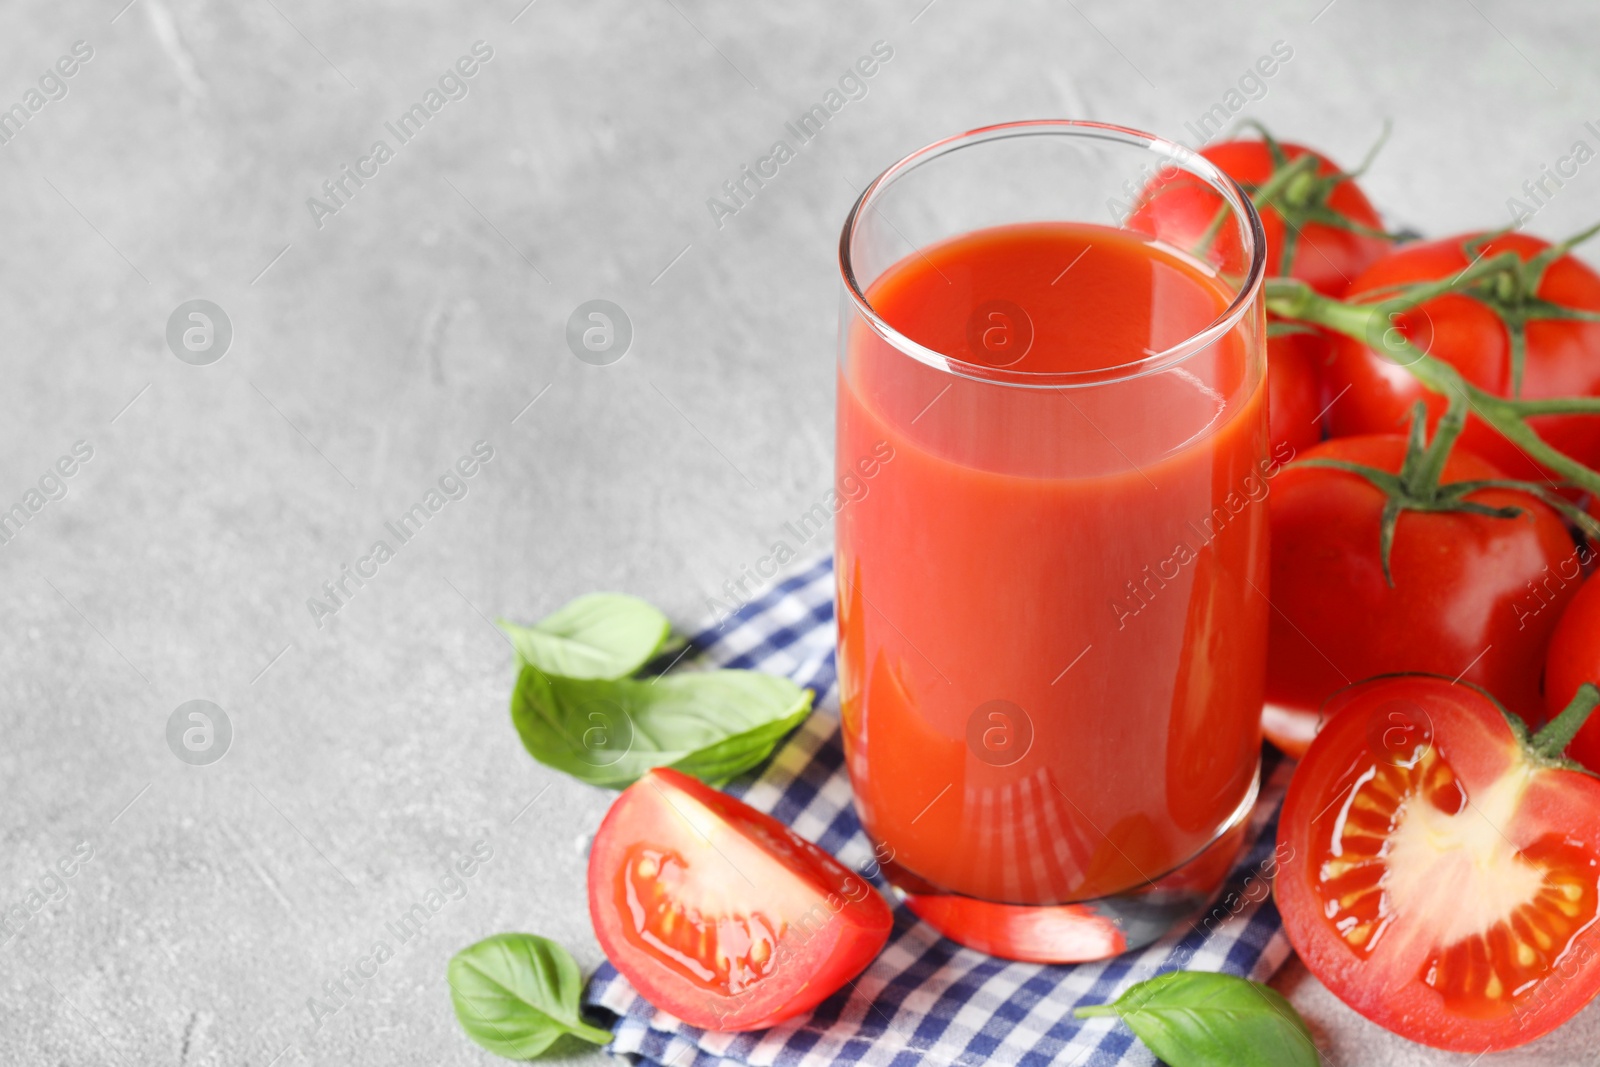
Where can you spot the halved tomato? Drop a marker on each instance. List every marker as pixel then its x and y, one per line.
pixel 720 914
pixel 1447 866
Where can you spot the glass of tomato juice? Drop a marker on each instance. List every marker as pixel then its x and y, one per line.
pixel 1052 572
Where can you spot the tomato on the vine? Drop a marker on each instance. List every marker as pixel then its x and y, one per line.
pixel 720 914
pixel 1446 870
pixel 1531 334
pixel 1458 577
pixel 1320 227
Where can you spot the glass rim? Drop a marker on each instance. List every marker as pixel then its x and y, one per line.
pixel 1174 153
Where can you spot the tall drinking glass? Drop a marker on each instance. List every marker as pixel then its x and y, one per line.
pixel 1052 557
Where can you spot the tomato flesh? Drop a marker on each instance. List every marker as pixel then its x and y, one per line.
pixel 1447 881
pixel 1482 975
pixel 721 951
pixel 721 915
pixel 1384 859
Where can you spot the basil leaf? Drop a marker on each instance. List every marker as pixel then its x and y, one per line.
pixel 600 635
pixel 516 994
pixel 713 725
pixel 1199 1019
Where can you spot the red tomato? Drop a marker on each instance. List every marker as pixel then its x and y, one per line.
pixel 1443 870
pixel 720 914
pixel 1326 257
pixel 1562 357
pixel 1294 389
pixel 1459 580
pixel 1308 218
pixel 1574 654
pixel 1322 251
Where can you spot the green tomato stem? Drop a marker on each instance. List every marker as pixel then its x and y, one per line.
pixel 1297 177
pixel 1371 324
pixel 1423 479
pixel 1558 733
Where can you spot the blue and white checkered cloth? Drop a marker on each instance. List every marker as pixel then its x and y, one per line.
pixel 925 1000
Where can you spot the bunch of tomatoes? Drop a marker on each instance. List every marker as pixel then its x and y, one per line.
pixel 1433 653
pixel 1433 622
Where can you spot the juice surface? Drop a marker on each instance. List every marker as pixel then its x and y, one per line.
pixel 1052 601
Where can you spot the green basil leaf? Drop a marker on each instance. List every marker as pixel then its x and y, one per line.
pixel 1199 1019
pixel 728 758
pixel 713 725
pixel 601 635
pixel 516 994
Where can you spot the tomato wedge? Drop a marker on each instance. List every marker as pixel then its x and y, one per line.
pixel 720 914
pixel 1447 869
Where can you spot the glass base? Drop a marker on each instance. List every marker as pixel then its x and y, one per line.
pixel 1092 929
pixel 1291 729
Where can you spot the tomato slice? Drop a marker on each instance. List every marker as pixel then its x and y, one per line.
pixel 720 914
pixel 1445 870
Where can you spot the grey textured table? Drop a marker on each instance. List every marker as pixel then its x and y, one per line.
pixel 378 337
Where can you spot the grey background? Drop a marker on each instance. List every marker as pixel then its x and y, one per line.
pixel 369 354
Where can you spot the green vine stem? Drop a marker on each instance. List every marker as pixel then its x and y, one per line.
pixel 1261 196
pixel 1557 734
pixel 1418 486
pixel 1299 195
pixel 1373 325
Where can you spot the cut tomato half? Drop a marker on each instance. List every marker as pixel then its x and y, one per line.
pixel 1446 870
pixel 720 914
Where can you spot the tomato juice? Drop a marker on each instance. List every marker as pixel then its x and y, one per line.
pixel 1052 605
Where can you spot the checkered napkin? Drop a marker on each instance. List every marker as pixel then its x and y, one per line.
pixel 925 1000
